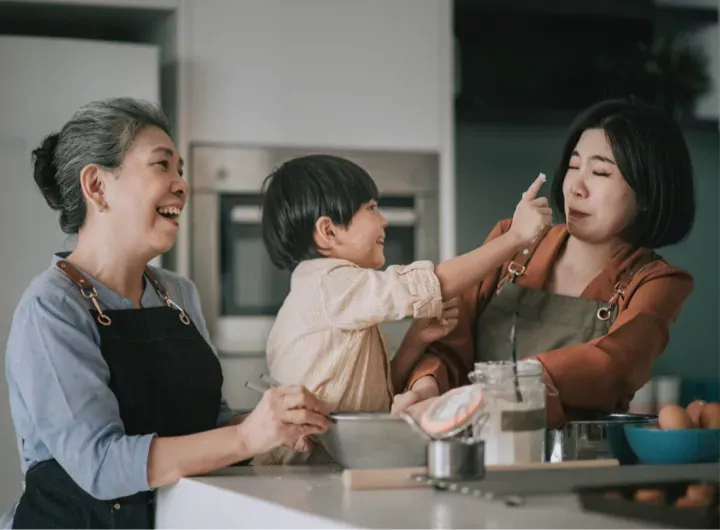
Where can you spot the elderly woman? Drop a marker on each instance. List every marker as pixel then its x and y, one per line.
pixel 115 389
pixel 594 302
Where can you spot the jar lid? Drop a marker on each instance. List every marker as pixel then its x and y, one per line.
pixel 453 412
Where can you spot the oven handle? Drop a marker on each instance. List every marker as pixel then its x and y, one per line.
pixel 246 214
pixel 395 216
pixel 399 216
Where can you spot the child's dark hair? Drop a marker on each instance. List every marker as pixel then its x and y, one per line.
pixel 301 191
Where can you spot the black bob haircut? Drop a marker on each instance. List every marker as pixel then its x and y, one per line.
pixel 651 153
pixel 301 191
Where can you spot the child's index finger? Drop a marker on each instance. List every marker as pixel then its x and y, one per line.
pixel 534 188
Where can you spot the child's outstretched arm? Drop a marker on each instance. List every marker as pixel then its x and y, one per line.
pixel 532 214
pixel 356 298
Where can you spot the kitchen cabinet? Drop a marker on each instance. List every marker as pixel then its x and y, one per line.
pixel 321 73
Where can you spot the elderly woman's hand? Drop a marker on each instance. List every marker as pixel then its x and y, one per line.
pixel 285 416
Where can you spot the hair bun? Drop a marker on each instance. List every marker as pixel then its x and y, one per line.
pixel 45 171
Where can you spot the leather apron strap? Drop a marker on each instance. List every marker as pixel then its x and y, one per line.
pixel 87 289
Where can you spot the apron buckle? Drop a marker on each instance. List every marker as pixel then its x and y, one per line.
pixel 604 312
pixel 514 270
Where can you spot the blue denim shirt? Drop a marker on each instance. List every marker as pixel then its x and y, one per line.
pixel 60 401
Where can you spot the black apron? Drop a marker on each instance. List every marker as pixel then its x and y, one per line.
pixel 166 379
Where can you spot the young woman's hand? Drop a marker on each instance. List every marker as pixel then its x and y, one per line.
pixel 423 390
pixel 431 329
pixel 285 416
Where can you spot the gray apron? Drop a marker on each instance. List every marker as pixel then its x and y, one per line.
pixel 546 321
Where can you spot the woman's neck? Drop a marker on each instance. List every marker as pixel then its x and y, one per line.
pixel 586 260
pixel 111 265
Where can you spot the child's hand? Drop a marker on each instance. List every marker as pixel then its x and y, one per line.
pixel 431 329
pixel 532 213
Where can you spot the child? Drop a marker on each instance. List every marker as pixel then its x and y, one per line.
pixel 321 221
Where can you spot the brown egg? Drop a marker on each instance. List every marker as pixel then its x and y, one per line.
pixel 710 416
pixel 701 494
pixel 653 496
pixel 693 410
pixel 674 417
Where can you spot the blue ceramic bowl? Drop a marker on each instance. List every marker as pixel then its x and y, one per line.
pixel 684 446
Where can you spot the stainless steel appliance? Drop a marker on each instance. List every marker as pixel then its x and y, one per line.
pixel 240 289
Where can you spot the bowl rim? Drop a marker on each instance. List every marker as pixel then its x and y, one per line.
pixel 638 427
pixel 619 418
pixel 365 416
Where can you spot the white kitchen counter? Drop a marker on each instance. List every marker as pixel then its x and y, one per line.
pixel 304 497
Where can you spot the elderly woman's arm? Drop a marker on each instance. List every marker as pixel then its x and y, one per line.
pixel 59 383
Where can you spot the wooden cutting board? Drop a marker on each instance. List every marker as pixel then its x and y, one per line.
pixel 402 477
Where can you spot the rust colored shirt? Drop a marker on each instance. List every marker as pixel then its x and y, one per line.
pixel 600 375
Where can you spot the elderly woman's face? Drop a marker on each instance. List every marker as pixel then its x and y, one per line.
pixel 149 193
pixel 599 203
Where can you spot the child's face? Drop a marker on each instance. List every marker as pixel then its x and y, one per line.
pixel 362 240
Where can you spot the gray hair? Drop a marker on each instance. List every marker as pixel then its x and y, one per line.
pixel 99 133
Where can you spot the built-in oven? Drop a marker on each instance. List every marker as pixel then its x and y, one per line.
pixel 240 289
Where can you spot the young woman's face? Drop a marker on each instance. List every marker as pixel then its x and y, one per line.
pixel 147 194
pixel 599 203
pixel 363 239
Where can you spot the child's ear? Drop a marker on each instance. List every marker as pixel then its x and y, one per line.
pixel 324 235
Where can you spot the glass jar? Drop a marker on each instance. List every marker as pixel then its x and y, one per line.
pixel 514 399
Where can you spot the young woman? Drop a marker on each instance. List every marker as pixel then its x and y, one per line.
pixel 594 301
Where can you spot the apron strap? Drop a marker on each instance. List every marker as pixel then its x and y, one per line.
pixel 87 289
pixel 518 264
pixel 624 279
pixel 162 293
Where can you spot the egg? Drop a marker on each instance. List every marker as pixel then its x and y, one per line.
pixel 693 410
pixel 710 416
pixel 650 496
pixel 674 417
pixel 702 494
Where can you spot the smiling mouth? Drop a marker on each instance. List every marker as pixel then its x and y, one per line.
pixel 172 213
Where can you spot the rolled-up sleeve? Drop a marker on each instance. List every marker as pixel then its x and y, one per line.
pixel 56 366
pixel 356 298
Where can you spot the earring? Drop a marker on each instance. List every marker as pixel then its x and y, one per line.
pixel 103 206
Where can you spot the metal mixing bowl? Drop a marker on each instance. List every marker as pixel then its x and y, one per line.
pixel 603 437
pixel 373 440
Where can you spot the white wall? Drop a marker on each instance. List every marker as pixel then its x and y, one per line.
pixel 315 72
